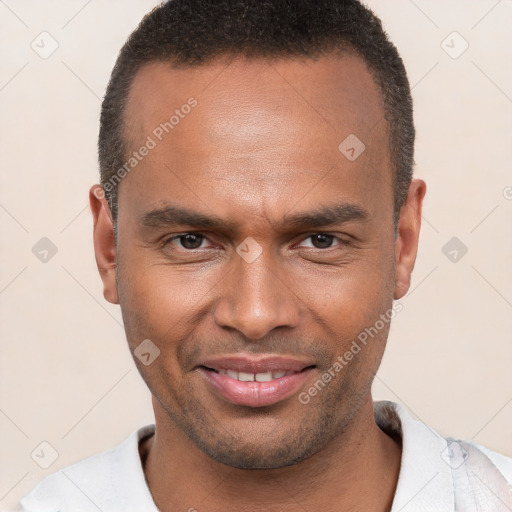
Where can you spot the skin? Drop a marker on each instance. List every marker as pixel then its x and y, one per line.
pixel 261 145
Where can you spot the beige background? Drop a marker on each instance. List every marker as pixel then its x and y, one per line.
pixel 66 376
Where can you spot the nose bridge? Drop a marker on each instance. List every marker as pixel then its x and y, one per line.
pixel 255 296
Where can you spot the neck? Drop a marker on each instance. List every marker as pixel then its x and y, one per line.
pixel 358 469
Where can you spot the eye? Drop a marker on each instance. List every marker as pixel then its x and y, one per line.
pixel 192 241
pixel 322 240
pixel 187 240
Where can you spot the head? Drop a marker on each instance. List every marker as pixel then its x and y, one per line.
pixel 256 162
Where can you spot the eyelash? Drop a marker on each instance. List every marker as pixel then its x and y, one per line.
pixel 167 241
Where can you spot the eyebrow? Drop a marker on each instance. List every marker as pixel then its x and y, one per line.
pixel 327 215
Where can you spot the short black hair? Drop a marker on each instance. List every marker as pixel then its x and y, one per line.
pixel 194 32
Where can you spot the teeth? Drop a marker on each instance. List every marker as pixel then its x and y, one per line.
pixel 263 377
pixel 258 377
pixel 232 374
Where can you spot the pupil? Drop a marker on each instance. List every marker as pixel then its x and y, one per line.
pixel 324 240
pixel 188 241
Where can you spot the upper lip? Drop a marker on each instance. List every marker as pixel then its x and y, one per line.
pixel 262 364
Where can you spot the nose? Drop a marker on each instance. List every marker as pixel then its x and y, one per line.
pixel 255 298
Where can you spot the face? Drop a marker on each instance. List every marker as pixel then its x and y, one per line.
pixel 252 244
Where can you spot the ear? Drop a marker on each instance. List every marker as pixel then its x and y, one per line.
pixel 104 242
pixel 406 245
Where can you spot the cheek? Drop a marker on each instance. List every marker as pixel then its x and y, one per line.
pixel 152 297
pixel 159 301
pixel 351 298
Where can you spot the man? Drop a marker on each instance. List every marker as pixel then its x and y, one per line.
pixel 256 220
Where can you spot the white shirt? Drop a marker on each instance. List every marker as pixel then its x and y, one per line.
pixel 436 475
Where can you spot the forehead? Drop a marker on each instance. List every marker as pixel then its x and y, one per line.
pixel 318 89
pixel 270 127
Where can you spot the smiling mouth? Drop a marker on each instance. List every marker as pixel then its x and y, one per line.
pixel 263 388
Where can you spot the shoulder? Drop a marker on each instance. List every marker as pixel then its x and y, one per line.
pixel 482 478
pixel 453 474
pixel 107 479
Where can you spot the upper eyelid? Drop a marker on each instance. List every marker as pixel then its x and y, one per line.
pixel 303 236
pixel 176 236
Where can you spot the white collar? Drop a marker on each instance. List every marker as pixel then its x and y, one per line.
pixel 425 482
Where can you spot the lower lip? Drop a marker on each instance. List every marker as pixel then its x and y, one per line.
pixel 256 394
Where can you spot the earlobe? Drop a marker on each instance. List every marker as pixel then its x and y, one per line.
pixel 402 275
pixel 406 245
pixel 104 242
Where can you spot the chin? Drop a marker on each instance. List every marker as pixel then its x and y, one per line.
pixel 259 452
pixel 255 458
